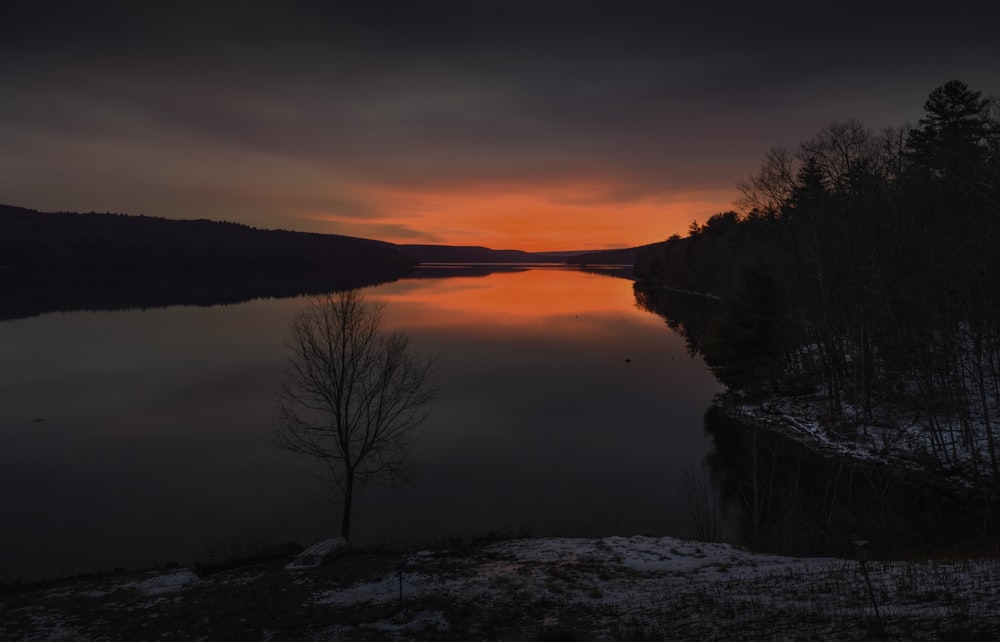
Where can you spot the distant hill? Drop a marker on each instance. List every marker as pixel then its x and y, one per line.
pixel 67 261
pixel 708 262
pixel 105 241
pixel 67 240
pixel 472 254
pixel 625 256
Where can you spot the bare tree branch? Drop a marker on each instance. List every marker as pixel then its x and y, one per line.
pixel 353 396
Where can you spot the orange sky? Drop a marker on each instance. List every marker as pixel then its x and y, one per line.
pixel 530 218
pixel 506 125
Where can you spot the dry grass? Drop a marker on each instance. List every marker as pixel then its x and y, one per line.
pixel 614 589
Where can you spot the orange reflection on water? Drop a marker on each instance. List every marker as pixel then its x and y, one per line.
pixel 523 298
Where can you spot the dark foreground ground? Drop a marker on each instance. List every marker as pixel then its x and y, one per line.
pixel 617 588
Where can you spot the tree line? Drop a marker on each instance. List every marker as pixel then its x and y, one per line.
pixel 117 242
pixel 863 265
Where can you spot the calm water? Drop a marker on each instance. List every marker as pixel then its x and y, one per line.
pixel 135 437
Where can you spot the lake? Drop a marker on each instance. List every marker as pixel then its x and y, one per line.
pixel 136 437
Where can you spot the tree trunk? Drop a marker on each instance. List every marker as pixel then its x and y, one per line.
pixel 345 522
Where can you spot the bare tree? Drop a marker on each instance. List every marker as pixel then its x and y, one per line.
pixel 353 395
pixel 764 194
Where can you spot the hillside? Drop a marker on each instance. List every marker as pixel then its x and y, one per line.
pixel 704 262
pixel 624 256
pixel 64 240
pixel 65 261
pixel 471 254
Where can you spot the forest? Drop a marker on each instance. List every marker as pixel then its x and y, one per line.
pixel 116 242
pixel 862 268
pixel 60 261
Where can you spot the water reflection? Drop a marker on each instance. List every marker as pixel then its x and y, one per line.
pixel 564 409
pixel 688 315
pixel 543 298
pixel 793 501
pixel 27 293
pixel 788 499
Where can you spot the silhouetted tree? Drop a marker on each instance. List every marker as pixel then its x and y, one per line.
pixel 880 256
pixel 353 395
pixel 954 197
pixel 764 194
pixel 746 351
pixel 951 142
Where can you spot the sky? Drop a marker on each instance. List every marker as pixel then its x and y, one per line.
pixel 535 126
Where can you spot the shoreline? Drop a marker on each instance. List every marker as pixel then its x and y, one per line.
pixel 794 420
pixel 585 589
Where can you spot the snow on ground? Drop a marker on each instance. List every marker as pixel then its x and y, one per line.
pixel 665 584
pixel 601 571
pixel 900 438
pixel 168 583
pixel 798 418
pixel 51 628
pixel 614 588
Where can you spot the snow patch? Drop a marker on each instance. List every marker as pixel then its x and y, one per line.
pixel 165 583
pixel 410 622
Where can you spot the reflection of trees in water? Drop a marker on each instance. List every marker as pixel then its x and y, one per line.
pixel 704 505
pixel 689 316
pixel 791 500
pixel 27 293
pixel 447 270
pixel 794 501
pixel 64 261
pixel 615 271
pixel 443 271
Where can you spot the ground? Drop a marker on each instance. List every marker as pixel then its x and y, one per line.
pixel 615 588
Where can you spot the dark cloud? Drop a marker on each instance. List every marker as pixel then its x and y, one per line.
pixel 424 95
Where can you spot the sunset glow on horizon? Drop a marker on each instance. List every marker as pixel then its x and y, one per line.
pixel 531 219
pixel 548 127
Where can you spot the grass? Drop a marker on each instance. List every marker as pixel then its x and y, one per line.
pixel 528 590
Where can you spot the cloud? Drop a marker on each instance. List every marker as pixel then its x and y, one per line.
pixel 294 113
